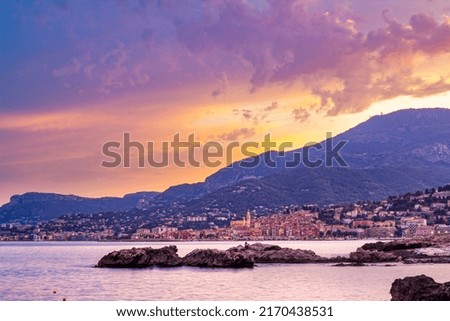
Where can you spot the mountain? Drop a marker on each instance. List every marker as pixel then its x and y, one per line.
pixel 314 186
pixel 225 177
pixel 32 207
pixel 413 137
pixel 403 151
pixel 414 141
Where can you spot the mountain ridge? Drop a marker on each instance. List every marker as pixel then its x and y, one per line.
pixel 34 206
pixel 384 149
pixel 388 154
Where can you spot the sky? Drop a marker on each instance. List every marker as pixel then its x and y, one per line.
pixel 75 75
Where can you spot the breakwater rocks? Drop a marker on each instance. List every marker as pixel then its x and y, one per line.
pixel 368 256
pixel 235 257
pixel 419 288
pixel 267 253
pixel 141 257
pixel 408 251
pixel 217 258
pixel 167 257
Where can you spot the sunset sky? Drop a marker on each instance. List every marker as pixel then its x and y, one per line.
pixel 77 74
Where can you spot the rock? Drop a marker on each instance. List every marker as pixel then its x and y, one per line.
pixel 430 260
pixel 433 251
pixel 429 255
pixel 141 257
pixel 339 260
pixel 266 253
pixel 408 244
pixel 368 256
pixel 416 250
pixel 218 258
pixel 349 264
pixel 404 244
pixel 419 288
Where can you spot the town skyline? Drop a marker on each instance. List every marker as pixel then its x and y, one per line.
pixel 415 214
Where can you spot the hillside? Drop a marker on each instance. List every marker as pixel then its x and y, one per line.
pixel 32 207
pixel 418 140
pixel 389 154
pixel 319 186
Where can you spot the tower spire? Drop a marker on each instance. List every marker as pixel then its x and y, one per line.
pixel 248 218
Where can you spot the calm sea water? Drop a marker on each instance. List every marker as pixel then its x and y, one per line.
pixel 32 271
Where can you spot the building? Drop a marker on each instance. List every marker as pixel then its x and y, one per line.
pixel 380 232
pixel 197 218
pixel 442 230
pixel 362 224
pixel 163 229
pixel 409 225
pixel 248 219
pixel 424 231
pixel 245 222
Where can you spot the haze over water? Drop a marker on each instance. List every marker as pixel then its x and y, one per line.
pixel 32 271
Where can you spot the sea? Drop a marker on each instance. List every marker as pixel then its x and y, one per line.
pixel 32 271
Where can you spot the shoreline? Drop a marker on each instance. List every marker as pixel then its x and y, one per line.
pixel 408 251
pixel 201 241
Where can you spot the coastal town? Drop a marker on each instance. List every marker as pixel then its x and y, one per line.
pixel 423 213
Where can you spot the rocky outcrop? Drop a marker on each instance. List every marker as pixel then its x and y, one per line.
pixel 406 251
pixel 430 255
pixel 403 244
pixel 141 257
pixel 341 264
pixel 218 259
pixel 369 256
pixel 235 257
pixel 266 253
pixel 416 250
pixel 419 288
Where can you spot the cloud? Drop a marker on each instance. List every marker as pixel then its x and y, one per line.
pixel 237 134
pixel 300 115
pixel 75 74
pixel 383 66
pixel 247 114
pixel 271 107
pixel 256 114
pixel 51 122
pixel 289 42
pixel 78 51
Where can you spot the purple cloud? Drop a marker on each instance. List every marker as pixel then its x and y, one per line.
pixel 300 115
pixel 88 51
pixel 256 114
pixel 271 107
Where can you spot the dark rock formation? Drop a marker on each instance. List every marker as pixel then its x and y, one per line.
pixel 404 244
pixel 235 257
pixel 407 251
pixel 141 258
pixel 339 259
pixel 366 256
pixel 419 288
pixel 266 253
pixel 217 258
pixel 349 264
pixel 416 250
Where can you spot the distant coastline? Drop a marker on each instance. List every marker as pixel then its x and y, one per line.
pixel 200 240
